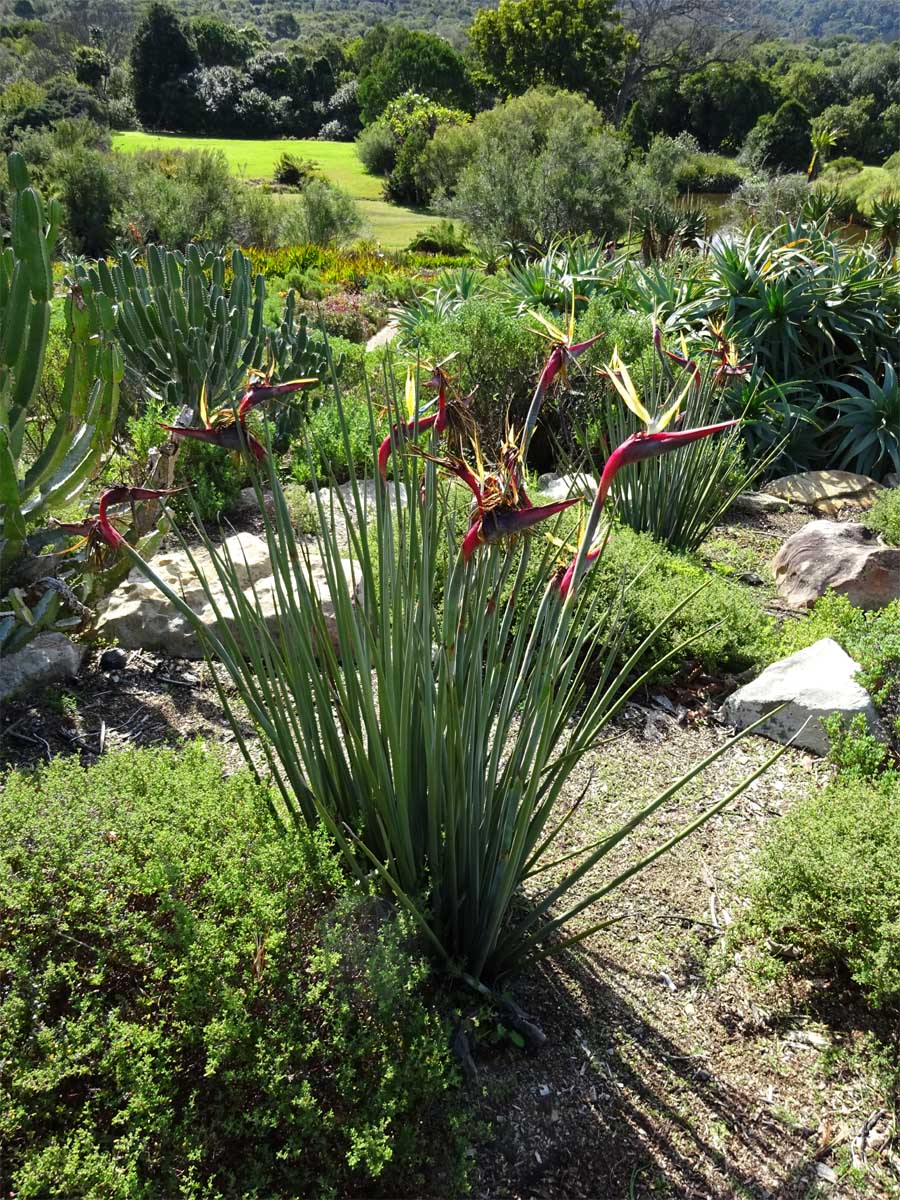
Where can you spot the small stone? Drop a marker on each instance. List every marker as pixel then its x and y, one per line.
pixel 846 557
pixel 891 481
pixel 813 683
pixel 759 503
pixel 48 659
pixel 113 659
pixel 561 487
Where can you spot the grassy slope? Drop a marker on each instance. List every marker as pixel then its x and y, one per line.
pixel 391 224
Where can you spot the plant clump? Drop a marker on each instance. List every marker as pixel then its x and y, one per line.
pixel 197 1005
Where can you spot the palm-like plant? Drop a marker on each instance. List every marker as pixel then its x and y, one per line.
pixel 823 136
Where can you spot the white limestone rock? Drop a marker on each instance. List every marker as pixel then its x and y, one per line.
pixel 561 487
pixel 813 683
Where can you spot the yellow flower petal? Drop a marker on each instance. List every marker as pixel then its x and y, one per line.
pixel 618 373
pixel 410 394
pixel 662 421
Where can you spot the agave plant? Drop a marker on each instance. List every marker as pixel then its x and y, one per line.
pixel 868 422
pixel 430 722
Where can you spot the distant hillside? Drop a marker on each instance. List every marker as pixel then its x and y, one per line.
pixel 317 19
pixel 867 20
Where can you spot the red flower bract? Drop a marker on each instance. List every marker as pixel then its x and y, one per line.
pixel 634 449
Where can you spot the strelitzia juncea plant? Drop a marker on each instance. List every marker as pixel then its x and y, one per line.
pixel 677 498
pixel 432 721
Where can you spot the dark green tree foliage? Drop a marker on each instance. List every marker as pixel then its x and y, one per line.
pixel 64 97
pixel 413 62
pixel 219 43
pixel 723 102
pixel 92 67
pixel 780 141
pixel 580 46
pixel 163 54
pixel 543 164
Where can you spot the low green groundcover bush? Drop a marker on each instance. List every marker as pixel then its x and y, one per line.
pixel 725 624
pixel 192 1005
pixel 828 888
pixel 884 516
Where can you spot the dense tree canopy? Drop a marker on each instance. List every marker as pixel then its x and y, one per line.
pixel 412 62
pixel 220 44
pixel 579 46
pixel 162 55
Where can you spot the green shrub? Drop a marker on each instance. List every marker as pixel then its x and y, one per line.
pixel 376 148
pixel 656 580
pixel 323 215
pixel 498 351
pixel 884 516
pixel 327 447
pixel 709 173
pixel 853 749
pixel 196 1006
pixel 342 314
pixel 828 888
pixel 215 481
pixel 542 164
pixel 293 171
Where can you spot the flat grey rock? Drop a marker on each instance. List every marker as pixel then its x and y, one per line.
pixel 48 659
pixel 759 503
pixel 813 683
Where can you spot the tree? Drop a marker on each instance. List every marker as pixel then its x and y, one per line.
pixel 542 164
pixel 780 141
pixel 580 46
pixel 92 67
pixel 669 38
pixel 163 54
pixel 724 101
pixel 410 61
pixel 219 43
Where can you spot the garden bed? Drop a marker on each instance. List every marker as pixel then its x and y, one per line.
pixel 663 1075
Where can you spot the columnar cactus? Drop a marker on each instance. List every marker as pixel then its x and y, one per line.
pixel 184 327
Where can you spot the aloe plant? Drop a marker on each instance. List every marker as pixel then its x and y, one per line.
pixel 32 489
pixel 35 483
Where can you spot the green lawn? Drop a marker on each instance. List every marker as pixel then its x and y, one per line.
pixel 392 224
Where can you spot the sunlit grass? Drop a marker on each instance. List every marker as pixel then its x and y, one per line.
pixel 391 224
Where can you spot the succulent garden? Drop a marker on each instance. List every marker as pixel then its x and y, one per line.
pixel 451 696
